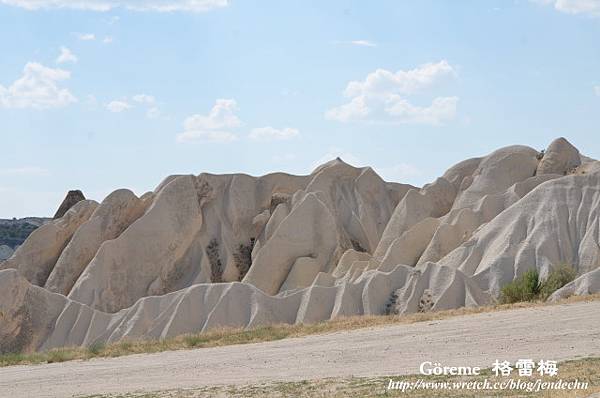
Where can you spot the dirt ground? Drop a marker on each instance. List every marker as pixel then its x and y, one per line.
pixel 560 332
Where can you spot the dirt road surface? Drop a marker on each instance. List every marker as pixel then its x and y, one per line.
pixel 560 332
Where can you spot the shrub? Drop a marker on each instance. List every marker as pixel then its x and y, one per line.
pixel 243 258
pixel 60 355
pixel 357 246
pixel 96 348
pixel 216 267
pixel 556 279
pixel 528 286
pixel 125 345
pixel 525 288
pixel 194 340
pixel 276 199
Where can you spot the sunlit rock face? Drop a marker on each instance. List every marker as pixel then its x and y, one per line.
pixel 208 251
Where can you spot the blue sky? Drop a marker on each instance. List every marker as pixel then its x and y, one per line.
pixel 103 94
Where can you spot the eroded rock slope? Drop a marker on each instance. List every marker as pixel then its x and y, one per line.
pixel 233 250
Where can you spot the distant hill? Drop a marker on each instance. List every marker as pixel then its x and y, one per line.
pixel 13 232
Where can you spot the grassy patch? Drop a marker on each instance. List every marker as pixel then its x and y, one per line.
pixel 525 288
pixel 583 370
pixel 231 336
pixel 96 348
pixel 559 277
pixel 529 287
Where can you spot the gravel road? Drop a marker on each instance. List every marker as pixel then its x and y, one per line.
pixel 559 332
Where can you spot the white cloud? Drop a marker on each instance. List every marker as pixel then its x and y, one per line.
pixel 270 133
pixel 355 109
pixel 213 127
pixel 85 36
pixel 107 40
pixel 147 102
pixel 25 171
pixel 118 106
pixel 597 90
pixel 382 94
pixel 144 99
pixel 38 88
pixel 441 110
pixel 587 7
pixel 363 43
pixel 107 5
pixel 383 82
pixel 66 56
pixel 222 115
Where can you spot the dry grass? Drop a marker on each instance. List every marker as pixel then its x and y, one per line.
pixel 230 336
pixel 583 370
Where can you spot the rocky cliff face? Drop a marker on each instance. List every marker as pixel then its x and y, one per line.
pixel 233 250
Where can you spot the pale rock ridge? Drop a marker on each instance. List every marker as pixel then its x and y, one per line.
pixel 588 283
pixel 120 209
pixel 36 319
pixel 220 239
pixel 444 287
pixel 560 158
pixel 496 173
pixel 434 200
pixel 308 232
pixel 555 223
pixel 483 188
pixel 459 225
pixel 338 242
pixel 72 198
pixel 334 213
pixel 127 268
pixel 39 253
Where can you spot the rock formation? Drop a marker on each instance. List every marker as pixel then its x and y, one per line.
pixel 207 251
pixel 72 198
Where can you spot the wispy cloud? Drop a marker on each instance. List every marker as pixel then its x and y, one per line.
pixel 270 133
pixel 118 106
pixel 65 56
pixel 153 113
pixel 584 7
pixel 597 90
pixel 359 42
pixel 363 43
pixel 25 171
pixel 144 99
pixel 86 36
pixel 107 5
